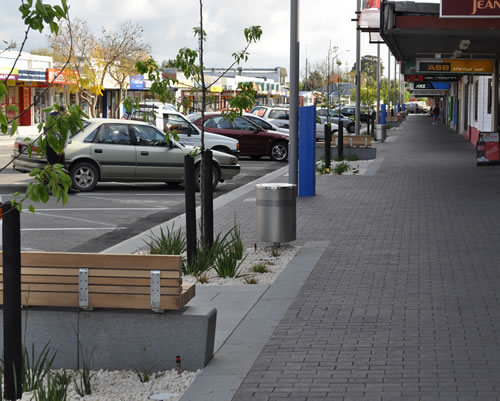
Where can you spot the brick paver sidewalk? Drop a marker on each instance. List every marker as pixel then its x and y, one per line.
pixel 404 303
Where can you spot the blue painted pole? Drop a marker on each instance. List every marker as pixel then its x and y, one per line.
pixel 383 114
pixel 307 149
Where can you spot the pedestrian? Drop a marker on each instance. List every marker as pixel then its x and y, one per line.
pixel 435 114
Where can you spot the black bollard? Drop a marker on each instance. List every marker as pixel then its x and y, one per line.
pixel 208 229
pixel 340 141
pixel 190 198
pixel 328 145
pixel 12 331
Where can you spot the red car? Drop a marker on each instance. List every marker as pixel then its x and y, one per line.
pixel 254 140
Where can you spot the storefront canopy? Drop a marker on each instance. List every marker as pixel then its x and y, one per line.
pixel 416 31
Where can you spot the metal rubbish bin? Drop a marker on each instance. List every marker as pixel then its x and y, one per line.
pixel 276 212
pixel 381 132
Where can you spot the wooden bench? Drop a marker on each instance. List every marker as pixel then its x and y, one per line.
pixel 90 280
pixel 351 141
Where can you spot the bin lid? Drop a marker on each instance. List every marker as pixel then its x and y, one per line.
pixel 279 185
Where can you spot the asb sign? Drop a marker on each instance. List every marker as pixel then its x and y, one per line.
pixel 470 8
pixel 455 66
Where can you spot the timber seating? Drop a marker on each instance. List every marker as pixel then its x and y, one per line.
pixel 91 280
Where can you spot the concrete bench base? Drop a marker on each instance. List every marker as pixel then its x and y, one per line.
pixel 361 153
pixel 123 340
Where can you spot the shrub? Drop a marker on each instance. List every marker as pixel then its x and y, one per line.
pixel 171 243
pixel 341 168
pixel 260 268
pixel 56 388
pixel 35 369
pixel 251 280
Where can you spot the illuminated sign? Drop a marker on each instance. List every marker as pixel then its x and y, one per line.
pixel 470 8
pixel 456 66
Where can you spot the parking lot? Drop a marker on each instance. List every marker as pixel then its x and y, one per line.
pixel 93 221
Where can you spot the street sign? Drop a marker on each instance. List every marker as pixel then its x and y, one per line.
pixel 470 9
pixel 455 66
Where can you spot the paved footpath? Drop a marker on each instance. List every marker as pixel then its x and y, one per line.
pixel 403 303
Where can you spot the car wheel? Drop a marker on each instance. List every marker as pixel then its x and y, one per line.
pixel 197 175
pixel 84 176
pixel 279 151
pixel 256 157
pixel 221 149
pixel 351 128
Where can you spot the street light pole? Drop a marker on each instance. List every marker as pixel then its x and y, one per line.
pixel 378 84
pixel 294 93
pixel 389 83
pixel 358 68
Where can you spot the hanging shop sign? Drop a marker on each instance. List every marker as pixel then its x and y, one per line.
pixel 32 75
pixel 470 9
pixel 56 76
pixel 216 89
pixel 443 66
pixel 432 85
pixel 433 78
pixel 136 82
pixel 5 73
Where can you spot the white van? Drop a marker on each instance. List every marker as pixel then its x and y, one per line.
pixel 189 134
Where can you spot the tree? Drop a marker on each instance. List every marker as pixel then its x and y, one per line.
pixel 190 62
pixel 53 180
pixel 114 53
pixel 369 67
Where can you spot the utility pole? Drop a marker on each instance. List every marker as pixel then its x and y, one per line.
pixel 389 82
pixel 358 67
pixel 395 81
pixel 294 93
pixel 378 84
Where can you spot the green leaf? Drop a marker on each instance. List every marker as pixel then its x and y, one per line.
pixel 3 89
pixel 13 127
pixel 3 119
pixel 31 209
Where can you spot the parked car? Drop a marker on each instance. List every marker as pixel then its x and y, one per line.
pixel 188 134
pixel 350 111
pixel 279 116
pixel 333 115
pixel 254 140
pixel 124 151
pixel 265 124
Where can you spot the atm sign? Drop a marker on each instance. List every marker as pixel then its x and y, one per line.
pixel 435 67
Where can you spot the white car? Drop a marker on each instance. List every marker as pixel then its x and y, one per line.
pixel 189 134
pixel 279 116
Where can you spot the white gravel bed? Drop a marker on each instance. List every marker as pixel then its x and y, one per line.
pixel 275 263
pixel 126 386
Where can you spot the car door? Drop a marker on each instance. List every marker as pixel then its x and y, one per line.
pixel 253 138
pixel 155 159
pixel 114 150
pixel 188 135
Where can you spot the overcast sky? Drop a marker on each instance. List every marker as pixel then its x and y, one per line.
pixel 168 27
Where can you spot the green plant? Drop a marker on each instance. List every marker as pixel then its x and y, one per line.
pixel 341 168
pixel 82 383
pixel 204 259
pixel 237 243
pixel 203 278
pixel 321 167
pixel 56 388
pixel 227 263
pixel 260 268
pixel 144 375
pixel 275 253
pixel 35 368
pixel 169 243
pixel 251 280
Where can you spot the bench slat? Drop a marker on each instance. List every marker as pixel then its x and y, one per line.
pixel 73 259
pixel 104 281
pixel 95 272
